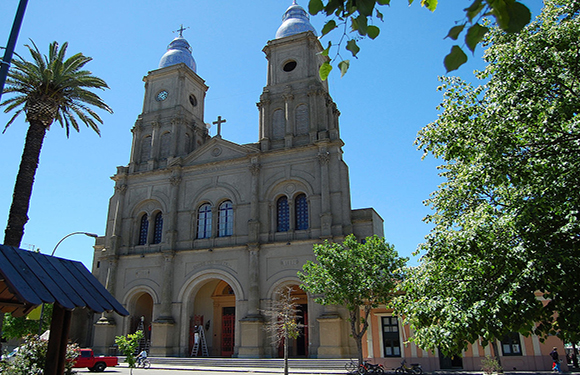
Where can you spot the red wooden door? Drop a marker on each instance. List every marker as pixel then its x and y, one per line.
pixel 228 324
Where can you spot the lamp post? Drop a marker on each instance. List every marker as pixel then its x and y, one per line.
pixel 52 254
pixel 72 234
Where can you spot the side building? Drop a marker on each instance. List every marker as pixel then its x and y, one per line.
pixel 202 232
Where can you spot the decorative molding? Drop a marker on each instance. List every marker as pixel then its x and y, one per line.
pixel 175 180
pixel 121 188
pixel 323 157
pixel 255 168
pixel 217 151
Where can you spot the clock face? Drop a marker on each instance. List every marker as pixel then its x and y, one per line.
pixel 161 96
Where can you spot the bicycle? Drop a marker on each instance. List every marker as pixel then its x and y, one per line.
pixel 353 367
pixel 145 363
pixel 404 369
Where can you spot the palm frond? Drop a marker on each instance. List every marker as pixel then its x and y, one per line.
pixel 60 83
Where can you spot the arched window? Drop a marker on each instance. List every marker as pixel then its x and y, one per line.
pixel 143 228
pixel 158 228
pixel 204 221
pixel 302 119
pixel 278 124
pixel 301 211
pixel 283 215
pixel 165 147
pixel 226 219
pixel 145 149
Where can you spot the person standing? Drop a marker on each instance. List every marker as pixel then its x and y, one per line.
pixel 554 355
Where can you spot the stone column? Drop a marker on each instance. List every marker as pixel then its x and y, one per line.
pixel 265 120
pixel 252 324
pixel 135 147
pixel 330 330
pixel 289 116
pixel 313 113
pixel 155 143
pixel 326 214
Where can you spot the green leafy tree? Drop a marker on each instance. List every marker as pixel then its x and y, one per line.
pixel 506 227
pixel 283 321
pixel 31 357
pixel 128 346
pixel 14 328
pixel 357 20
pixel 356 275
pixel 46 89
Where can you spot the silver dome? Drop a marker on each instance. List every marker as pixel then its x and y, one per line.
pixel 294 21
pixel 178 51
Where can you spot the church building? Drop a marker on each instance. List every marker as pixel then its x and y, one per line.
pixel 203 232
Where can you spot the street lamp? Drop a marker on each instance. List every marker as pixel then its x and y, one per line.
pixel 72 234
pixel 52 254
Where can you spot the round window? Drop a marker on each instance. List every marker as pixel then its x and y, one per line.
pixel 193 100
pixel 289 66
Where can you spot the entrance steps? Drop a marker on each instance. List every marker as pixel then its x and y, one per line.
pixel 266 363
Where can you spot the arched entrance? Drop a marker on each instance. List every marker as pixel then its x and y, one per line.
pixel 214 313
pixel 298 347
pixel 142 312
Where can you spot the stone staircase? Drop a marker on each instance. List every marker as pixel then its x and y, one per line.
pixel 327 365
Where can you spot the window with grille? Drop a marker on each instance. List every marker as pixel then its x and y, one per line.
pixel 301 208
pixel 510 344
pixel 158 228
pixel 391 341
pixel 143 228
pixel 283 215
pixel 204 221
pixel 226 219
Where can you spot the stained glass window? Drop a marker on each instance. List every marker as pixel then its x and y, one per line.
pixel 204 221
pixel 158 228
pixel 283 217
pixel 143 228
pixel 301 208
pixel 226 219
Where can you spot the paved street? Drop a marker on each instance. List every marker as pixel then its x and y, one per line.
pixel 122 369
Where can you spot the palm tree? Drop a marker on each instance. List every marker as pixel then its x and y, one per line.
pixel 47 88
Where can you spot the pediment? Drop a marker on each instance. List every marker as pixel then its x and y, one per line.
pixel 218 149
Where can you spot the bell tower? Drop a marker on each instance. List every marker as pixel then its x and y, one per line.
pixel 295 106
pixel 171 124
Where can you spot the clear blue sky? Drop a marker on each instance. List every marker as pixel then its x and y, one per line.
pixel 387 96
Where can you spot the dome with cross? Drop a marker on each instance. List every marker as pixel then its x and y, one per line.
pixel 294 21
pixel 178 51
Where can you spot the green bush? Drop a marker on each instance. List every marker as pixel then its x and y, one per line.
pixel 490 366
pixel 31 358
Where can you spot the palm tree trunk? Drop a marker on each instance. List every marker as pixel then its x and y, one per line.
pixel 23 187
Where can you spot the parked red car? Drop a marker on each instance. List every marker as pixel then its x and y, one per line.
pixel 87 359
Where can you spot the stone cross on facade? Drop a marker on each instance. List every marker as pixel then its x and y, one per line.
pixel 219 123
pixel 181 30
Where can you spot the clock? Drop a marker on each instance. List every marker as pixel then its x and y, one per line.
pixel 161 96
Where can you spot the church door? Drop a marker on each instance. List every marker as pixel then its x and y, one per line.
pixel 228 324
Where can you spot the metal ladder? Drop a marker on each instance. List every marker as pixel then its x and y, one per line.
pixel 204 352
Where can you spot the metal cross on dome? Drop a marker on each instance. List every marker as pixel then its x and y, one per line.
pixel 181 30
pixel 219 123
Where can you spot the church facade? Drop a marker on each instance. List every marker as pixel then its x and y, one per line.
pixel 203 232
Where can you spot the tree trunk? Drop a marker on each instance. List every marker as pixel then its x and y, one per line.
pixel 496 351
pixel 18 215
pixel 285 352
